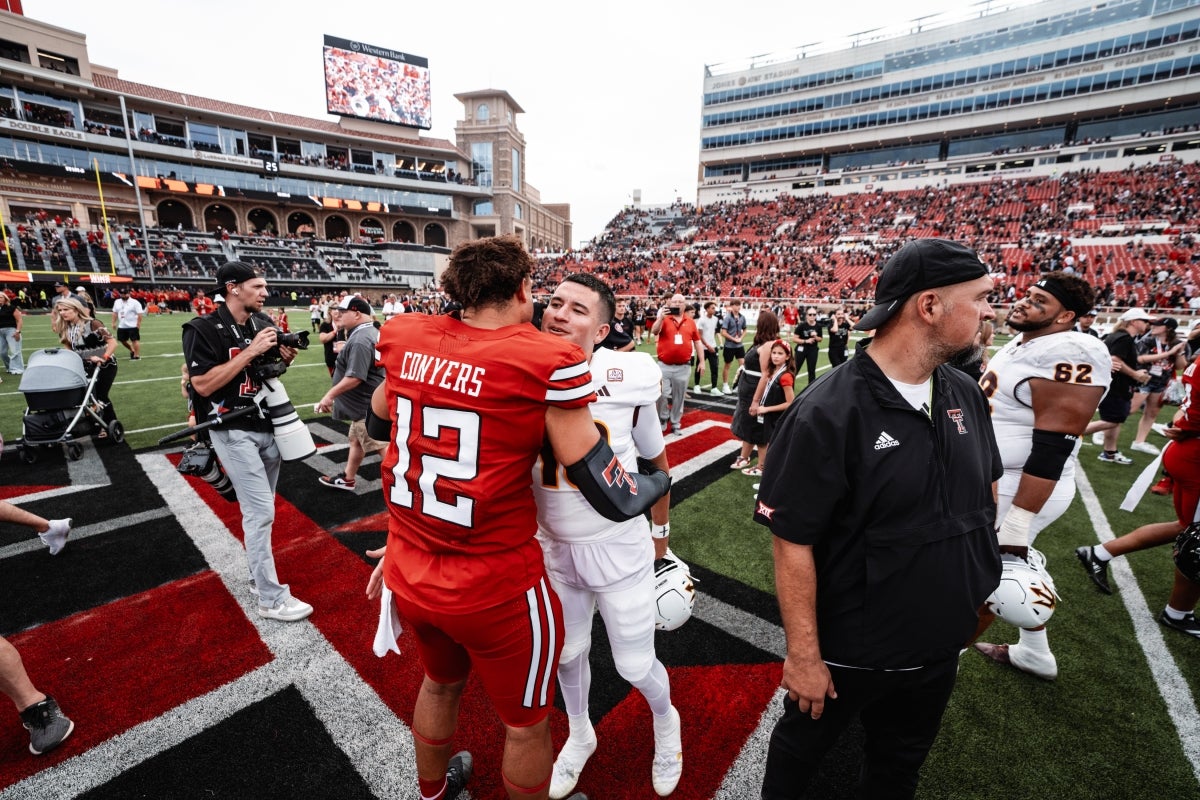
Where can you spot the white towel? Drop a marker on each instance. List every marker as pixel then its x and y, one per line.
pixel 1134 495
pixel 389 628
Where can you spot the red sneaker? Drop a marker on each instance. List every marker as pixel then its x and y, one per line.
pixel 1164 486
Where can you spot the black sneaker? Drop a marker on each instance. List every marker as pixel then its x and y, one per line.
pixel 47 726
pixel 1188 624
pixel 1096 569
pixel 457 774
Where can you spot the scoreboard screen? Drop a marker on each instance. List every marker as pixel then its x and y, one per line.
pixel 376 83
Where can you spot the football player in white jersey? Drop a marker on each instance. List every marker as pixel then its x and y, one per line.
pixel 1044 387
pixel 596 563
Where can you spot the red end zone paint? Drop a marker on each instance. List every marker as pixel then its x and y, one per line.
pixel 126 662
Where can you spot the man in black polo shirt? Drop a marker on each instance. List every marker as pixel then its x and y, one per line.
pixel 880 500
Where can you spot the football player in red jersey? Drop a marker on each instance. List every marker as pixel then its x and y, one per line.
pixel 466 407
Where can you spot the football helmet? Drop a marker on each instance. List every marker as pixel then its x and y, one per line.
pixel 1026 596
pixel 1186 552
pixel 674 593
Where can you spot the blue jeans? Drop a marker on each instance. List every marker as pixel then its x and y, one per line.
pixel 251 460
pixel 10 351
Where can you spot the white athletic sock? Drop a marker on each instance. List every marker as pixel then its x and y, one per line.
pixel 1173 614
pixel 1034 641
pixel 656 688
pixel 579 724
pixel 1101 554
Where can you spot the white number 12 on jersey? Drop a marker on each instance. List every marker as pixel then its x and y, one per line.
pixel 464 466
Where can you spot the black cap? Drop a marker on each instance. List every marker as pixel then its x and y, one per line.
pixel 58 283
pixel 235 272
pixel 1170 322
pixel 355 303
pixel 920 265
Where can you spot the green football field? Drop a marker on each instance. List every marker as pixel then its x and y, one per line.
pixel 1121 721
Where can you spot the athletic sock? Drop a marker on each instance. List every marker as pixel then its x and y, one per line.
pixel 1101 554
pixel 579 724
pixel 432 790
pixel 1035 641
pixel 1173 614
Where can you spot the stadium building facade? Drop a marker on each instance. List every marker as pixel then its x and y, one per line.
pixel 143 182
pixel 996 91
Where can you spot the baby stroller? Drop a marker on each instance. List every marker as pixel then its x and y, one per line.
pixel 58 394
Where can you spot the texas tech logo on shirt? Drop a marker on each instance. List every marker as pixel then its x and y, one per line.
pixel 956 415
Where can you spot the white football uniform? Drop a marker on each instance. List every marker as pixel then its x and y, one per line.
pixel 595 562
pixel 1068 357
pixel 582 547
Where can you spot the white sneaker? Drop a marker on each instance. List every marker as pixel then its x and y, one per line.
pixel 1098 437
pixel 668 755
pixel 1144 447
pixel 726 390
pixel 55 536
pixel 286 610
pixel 718 393
pixel 570 762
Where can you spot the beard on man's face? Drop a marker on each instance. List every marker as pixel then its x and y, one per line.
pixel 1029 325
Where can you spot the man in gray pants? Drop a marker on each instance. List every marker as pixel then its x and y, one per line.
pixel 219 350
pixel 678 341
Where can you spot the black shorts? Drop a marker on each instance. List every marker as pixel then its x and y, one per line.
pixel 1115 406
pixel 129 334
pixel 734 353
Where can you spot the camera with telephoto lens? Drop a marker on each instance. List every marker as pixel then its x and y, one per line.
pixel 271 364
pixel 201 460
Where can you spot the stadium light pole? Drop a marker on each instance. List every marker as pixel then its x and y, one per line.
pixel 137 192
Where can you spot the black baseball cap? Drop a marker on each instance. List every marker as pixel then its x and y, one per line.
pixel 919 265
pixel 123 290
pixel 355 303
pixel 235 272
pixel 1170 322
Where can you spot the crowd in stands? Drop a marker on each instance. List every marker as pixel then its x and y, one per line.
pixel 1131 233
pixel 827 247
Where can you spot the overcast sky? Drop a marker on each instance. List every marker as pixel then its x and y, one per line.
pixel 611 90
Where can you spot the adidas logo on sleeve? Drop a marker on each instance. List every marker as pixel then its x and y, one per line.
pixel 885 441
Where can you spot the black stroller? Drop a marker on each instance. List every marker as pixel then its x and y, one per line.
pixel 61 407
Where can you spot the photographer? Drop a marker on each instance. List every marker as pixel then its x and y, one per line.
pixel 355 377
pixel 228 353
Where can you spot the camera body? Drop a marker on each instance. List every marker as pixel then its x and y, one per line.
pixel 271 364
pixel 201 460
pixel 674 311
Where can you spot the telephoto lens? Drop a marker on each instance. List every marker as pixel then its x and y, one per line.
pixel 201 461
pixel 291 434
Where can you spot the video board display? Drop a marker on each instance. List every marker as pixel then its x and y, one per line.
pixel 376 83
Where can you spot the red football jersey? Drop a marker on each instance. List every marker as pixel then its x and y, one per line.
pixel 468 408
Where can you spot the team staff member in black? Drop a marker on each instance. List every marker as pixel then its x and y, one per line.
pixel 839 337
pixel 880 502
pixel 218 350
pixel 808 343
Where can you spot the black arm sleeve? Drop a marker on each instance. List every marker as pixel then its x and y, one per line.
pixel 612 491
pixel 378 429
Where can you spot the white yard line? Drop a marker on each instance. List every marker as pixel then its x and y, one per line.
pixel 1176 693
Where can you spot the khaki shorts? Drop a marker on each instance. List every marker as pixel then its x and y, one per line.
pixel 358 433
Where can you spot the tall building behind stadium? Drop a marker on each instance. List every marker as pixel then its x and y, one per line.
pixel 115 180
pixel 993 91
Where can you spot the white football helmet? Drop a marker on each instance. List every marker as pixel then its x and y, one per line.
pixel 1026 596
pixel 674 593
